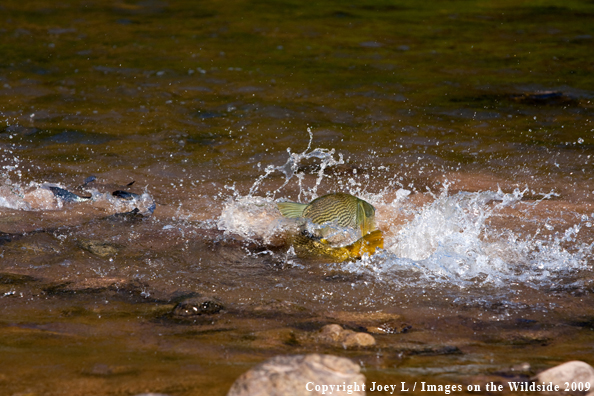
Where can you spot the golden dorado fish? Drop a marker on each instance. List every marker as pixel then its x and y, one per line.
pixel 305 245
pixel 331 211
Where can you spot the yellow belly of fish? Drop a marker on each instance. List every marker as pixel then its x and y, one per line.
pixel 367 244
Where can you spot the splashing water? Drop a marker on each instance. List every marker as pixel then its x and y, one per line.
pixel 290 170
pixel 258 218
pixel 448 241
pixel 36 196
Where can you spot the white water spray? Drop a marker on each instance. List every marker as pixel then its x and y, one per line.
pixel 448 241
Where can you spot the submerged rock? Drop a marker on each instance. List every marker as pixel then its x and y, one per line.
pixel 335 334
pixel 198 306
pixel 331 332
pixel 570 374
pixel 356 340
pixel 298 375
pixel 99 248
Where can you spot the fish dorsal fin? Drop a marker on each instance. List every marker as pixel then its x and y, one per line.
pixel 291 210
pixel 365 217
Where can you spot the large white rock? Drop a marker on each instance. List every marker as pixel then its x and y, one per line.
pixel 298 375
pixel 573 372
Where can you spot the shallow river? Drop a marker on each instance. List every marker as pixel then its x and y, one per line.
pixel 468 125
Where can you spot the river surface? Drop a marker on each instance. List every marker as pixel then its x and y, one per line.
pixel 467 124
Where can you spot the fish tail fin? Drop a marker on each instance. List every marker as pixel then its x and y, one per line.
pixel 367 244
pixel 291 209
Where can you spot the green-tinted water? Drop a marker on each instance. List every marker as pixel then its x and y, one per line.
pixel 189 99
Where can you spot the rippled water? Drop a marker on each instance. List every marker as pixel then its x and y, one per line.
pixel 468 126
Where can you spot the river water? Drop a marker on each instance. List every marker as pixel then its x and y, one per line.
pixel 468 125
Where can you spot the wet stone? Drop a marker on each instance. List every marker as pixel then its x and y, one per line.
pixel 287 375
pixel 99 248
pixel 331 332
pixel 572 373
pixel 198 306
pixel 335 335
pixel 357 340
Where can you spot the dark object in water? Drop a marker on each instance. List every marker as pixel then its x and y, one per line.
pixel 543 98
pixel 7 278
pixel 128 196
pixel 198 306
pixel 66 195
pixel 89 179
pixel 5 238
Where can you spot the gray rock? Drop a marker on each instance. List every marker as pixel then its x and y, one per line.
pixel 299 375
pixel 570 372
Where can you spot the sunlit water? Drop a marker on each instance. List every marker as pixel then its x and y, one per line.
pixel 467 126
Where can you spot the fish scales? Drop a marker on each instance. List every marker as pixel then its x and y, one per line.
pixel 341 208
pixel 337 209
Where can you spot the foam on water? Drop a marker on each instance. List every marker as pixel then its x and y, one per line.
pixel 36 196
pixel 255 218
pixel 448 240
